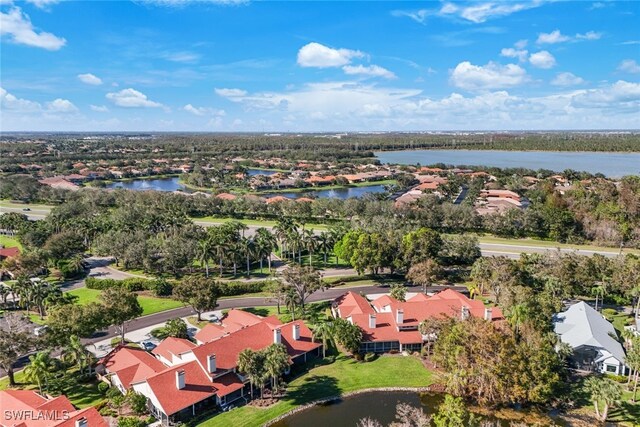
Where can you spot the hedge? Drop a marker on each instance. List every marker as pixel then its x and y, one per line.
pixel 231 289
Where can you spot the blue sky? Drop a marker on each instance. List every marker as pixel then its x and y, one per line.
pixel 174 65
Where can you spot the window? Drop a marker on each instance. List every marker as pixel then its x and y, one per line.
pixel 611 368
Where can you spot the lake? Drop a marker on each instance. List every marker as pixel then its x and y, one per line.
pixel 157 184
pixel 377 405
pixel 254 172
pixel 338 193
pixel 173 184
pixel 610 164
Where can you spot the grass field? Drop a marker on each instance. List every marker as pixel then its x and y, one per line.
pixel 342 376
pixel 9 242
pixel 150 305
pixel 549 244
pixel 9 204
pixel 81 394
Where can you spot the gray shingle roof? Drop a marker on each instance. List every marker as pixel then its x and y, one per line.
pixel 581 325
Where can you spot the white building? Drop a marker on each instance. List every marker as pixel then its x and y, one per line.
pixel 593 339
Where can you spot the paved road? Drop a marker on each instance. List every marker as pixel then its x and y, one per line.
pixel 329 294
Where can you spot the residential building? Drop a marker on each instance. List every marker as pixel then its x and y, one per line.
pixel 391 325
pixel 26 408
pixel 185 379
pixel 593 339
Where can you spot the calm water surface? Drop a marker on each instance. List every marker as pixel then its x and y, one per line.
pixel 338 193
pixel 380 406
pixel 609 164
pixel 160 184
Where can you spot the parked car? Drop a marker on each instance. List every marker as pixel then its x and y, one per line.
pixel 26 209
pixel 148 345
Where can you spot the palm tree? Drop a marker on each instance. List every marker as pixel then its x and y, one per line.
pixel 324 244
pixel 276 362
pixel 291 302
pixel 205 250
pixel 324 331
pixel 309 242
pixel 245 365
pixel 4 294
pixel 606 390
pixel 38 369
pixel 519 314
pixel 75 352
pixel 598 291
pixel 265 244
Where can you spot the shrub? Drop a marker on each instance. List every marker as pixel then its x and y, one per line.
pixel 112 392
pixel 231 289
pixel 369 357
pixel 103 387
pixel 131 422
pixel 622 379
pixel 161 288
pixel 137 402
pixel 609 312
pixel 330 359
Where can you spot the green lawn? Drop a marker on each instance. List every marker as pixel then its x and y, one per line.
pixel 549 244
pixel 9 242
pixel 82 395
pixel 9 204
pixel 342 376
pixel 150 305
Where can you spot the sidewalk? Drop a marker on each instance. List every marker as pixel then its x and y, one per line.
pixel 102 348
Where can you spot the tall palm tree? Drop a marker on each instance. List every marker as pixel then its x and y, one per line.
pixel 265 244
pixel 324 244
pixel 309 243
pixel 324 331
pixel 39 368
pixel 291 302
pixel 603 390
pixel 275 363
pixel 248 248
pixel 75 352
pixel 519 314
pixel 205 252
pixel 599 292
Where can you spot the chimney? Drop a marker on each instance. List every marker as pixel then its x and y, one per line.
pixel 372 321
pixel 400 316
pixel 180 381
pixel 464 313
pixel 211 363
pixel 488 314
pixel 277 336
pixel 82 422
pixel 296 332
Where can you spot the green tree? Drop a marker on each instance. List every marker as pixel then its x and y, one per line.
pixel 39 369
pixel 15 341
pixel 198 292
pixel 348 335
pixel 276 362
pixel 425 273
pixel 324 332
pixel 303 281
pixel 76 353
pixel 398 292
pixel 603 390
pixel 451 413
pixel 120 306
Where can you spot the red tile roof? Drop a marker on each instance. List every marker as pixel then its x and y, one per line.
pixel 233 321
pixel 198 386
pixel 131 364
pixel 9 252
pixel 48 412
pixel 226 196
pixel 447 303
pixel 172 346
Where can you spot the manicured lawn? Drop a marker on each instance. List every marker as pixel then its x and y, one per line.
pixel 81 394
pixel 9 204
pixel 549 244
pixel 149 304
pixel 9 242
pixel 342 376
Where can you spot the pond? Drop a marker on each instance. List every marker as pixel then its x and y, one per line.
pixel 157 184
pixel 254 172
pixel 610 164
pixel 337 193
pixel 380 406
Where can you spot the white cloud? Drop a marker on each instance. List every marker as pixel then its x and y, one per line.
pixel 542 59
pixel 12 103
pixel 17 27
pixel 131 98
pixel 589 35
pixel 61 106
pixel 488 77
pixel 510 52
pixel 230 93
pixel 476 12
pixel 552 38
pixel 567 79
pixel 203 111
pixel 90 79
pixel 43 4
pixel 557 37
pixel 621 95
pixel 629 66
pixel 521 44
pixel 185 56
pixel 368 70
pixel 99 108
pixel 321 56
